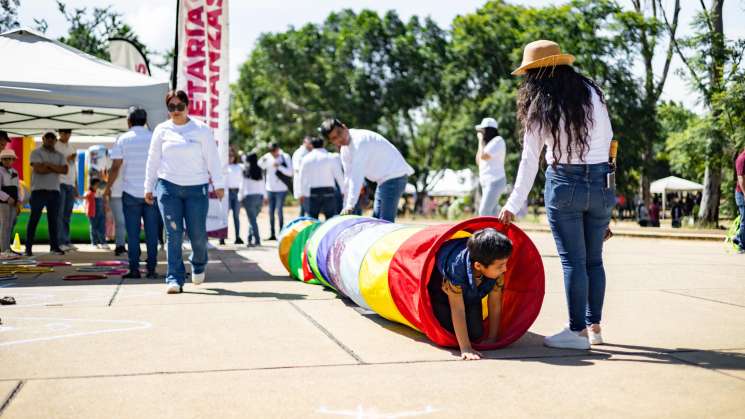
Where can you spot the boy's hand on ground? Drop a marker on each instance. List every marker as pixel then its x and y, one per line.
pixel 470 355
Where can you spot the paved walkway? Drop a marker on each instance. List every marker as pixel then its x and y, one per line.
pixel 252 343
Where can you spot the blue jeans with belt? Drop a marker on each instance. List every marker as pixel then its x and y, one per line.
pixel 740 201
pixel 183 206
pixel 322 200
pixel 387 196
pixel 578 206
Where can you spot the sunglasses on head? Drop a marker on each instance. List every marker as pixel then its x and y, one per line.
pixel 176 107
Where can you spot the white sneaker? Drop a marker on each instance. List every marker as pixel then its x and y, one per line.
pixel 65 248
pixel 567 339
pixel 173 288
pixel 595 338
pixel 97 246
pixel 72 247
pixel 197 279
pixel 105 247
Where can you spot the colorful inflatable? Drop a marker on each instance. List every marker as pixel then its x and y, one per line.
pixel 388 268
pixel 93 159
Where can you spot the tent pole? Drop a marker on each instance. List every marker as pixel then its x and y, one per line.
pixel 175 48
pixel 664 202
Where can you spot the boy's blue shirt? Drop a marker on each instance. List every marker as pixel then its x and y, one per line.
pixel 454 264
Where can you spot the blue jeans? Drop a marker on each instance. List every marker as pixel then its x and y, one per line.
pixel 322 200
pixel 136 210
pixel 119 223
pixel 387 197
pixel 252 204
pixel 181 205
pixel 66 204
pixel 490 194
pixel 740 200
pixel 579 206
pixel 276 202
pixel 98 224
pixel 235 206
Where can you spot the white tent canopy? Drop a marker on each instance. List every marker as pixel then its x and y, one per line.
pixel 452 183
pixel 674 184
pixel 45 85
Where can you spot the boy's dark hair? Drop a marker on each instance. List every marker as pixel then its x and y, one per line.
pixel 487 245
pixel 94 182
pixel 64 130
pixel 328 125
pixel 48 134
pixel 4 135
pixel 273 146
pixel 316 142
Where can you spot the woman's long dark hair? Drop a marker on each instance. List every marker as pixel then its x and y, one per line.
pixel 489 134
pixel 252 170
pixel 552 99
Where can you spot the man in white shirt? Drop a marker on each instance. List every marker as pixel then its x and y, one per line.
pixel 68 188
pixel 278 166
pixel 367 154
pixel 297 159
pixel 320 173
pixel 129 157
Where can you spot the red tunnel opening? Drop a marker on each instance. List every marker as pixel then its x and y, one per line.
pixel 411 270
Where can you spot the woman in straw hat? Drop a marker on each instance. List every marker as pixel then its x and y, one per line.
pixel 565 111
pixel 8 198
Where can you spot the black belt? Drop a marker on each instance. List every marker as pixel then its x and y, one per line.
pixel 323 191
pixel 233 190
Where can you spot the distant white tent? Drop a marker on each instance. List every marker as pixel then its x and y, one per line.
pixel 673 184
pixel 45 85
pixel 452 183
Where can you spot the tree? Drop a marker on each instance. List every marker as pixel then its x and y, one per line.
pixel 9 14
pixel 706 65
pixel 643 32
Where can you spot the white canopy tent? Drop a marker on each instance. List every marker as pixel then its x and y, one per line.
pixel 673 184
pixel 452 183
pixel 45 85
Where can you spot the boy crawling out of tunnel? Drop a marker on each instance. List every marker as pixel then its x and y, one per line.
pixel 469 269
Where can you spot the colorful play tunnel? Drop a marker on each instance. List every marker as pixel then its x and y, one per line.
pixel 389 269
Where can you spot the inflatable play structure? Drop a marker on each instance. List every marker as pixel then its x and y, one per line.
pixel 389 269
pixel 88 161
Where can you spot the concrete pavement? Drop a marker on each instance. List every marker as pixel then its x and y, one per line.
pixel 250 342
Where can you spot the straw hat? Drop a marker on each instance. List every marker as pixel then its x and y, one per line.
pixel 542 53
pixel 8 153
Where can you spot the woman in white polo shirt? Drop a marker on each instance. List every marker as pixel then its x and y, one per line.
pixel 490 159
pixel 181 164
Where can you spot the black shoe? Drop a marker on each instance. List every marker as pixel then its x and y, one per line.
pixel 132 275
pixel 238 241
pixel 120 250
pixel 58 252
pixel 28 253
pixel 152 275
pixel 222 242
pixel 271 239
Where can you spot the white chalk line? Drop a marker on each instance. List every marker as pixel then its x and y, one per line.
pixel 138 325
pixel 49 298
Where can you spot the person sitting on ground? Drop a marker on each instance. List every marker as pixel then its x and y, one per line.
pixel 471 269
pixel 9 202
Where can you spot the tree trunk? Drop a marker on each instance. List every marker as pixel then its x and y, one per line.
pixel 709 212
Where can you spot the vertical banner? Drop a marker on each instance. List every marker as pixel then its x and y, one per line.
pixel 124 53
pixel 202 72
